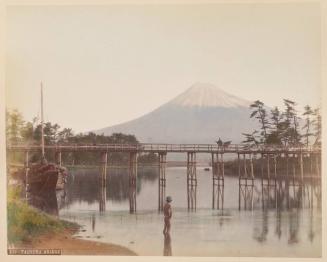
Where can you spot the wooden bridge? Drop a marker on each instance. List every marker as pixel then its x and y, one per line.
pixel 299 164
pixel 168 148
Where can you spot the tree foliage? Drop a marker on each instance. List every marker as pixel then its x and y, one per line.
pixel 259 112
pixel 283 127
pixel 18 130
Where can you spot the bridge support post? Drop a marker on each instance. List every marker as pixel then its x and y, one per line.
pixel 162 180
pixel 295 182
pixel 58 158
pixel 318 165
pixel 104 164
pixel 269 186
pixel 302 185
pixel 318 178
pixel 246 181
pixel 191 180
pixel 217 181
pixel 103 181
pixel 132 181
pixel 102 198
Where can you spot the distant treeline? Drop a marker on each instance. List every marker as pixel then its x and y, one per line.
pixel 20 131
pixel 285 127
pixel 276 127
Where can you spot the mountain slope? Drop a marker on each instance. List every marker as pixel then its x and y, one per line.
pixel 199 115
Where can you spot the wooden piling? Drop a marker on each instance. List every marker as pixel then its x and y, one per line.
pixel 218 173
pixel 132 181
pixel 58 158
pixel 213 179
pixel 104 163
pixel 239 181
pixel 162 180
pixel 191 180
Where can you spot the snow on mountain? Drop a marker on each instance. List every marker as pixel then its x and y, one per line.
pixel 199 115
pixel 208 95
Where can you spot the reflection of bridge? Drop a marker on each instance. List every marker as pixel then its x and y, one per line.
pixel 281 168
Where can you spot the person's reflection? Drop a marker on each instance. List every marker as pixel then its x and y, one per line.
pixel 167 245
pixel 93 223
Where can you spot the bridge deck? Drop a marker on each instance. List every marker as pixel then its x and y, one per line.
pixel 167 148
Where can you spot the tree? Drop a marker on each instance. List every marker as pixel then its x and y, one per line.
pixel 317 126
pixel 50 132
pixel 251 139
pixel 290 133
pixel 14 124
pixel 28 132
pixel 308 113
pixel 65 135
pixel 274 137
pixel 259 112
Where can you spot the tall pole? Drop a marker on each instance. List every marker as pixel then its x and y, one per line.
pixel 42 122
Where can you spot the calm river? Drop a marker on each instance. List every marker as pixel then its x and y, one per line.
pixel 204 232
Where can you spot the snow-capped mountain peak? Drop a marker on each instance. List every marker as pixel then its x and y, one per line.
pixel 208 95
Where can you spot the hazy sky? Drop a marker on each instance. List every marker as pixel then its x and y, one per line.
pixel 104 65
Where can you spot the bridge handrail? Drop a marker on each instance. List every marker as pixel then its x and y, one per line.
pixel 168 147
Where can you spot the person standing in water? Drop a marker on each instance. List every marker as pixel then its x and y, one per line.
pixel 167 215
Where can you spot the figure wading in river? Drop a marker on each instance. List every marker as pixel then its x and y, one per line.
pixel 167 215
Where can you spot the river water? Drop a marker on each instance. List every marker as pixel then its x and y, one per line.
pixel 292 232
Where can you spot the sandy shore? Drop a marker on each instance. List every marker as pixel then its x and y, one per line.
pixel 72 246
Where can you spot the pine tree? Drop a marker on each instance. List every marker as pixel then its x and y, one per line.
pixel 259 112
pixel 251 139
pixel 290 126
pixel 274 137
pixel 308 113
pixel 317 126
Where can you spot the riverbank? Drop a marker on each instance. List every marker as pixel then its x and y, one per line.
pixel 29 227
pixel 69 245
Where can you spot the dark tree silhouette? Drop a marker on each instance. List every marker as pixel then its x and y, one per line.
pixel 308 113
pixel 259 112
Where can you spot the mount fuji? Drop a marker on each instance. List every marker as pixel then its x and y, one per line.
pixel 201 114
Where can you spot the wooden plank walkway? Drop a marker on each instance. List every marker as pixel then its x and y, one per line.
pixel 168 148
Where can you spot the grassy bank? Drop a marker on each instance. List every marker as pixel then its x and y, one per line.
pixel 32 228
pixel 26 222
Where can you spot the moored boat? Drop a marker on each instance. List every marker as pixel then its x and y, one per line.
pixel 42 176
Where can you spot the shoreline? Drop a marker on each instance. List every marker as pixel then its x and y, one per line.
pixel 69 245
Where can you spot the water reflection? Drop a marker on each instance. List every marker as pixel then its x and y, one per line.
pixel 85 185
pixel 93 222
pixel 278 230
pixel 46 202
pixel 311 233
pixel 281 229
pixel 294 222
pixel 260 234
pixel 167 245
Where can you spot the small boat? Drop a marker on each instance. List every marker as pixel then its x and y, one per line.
pixel 42 176
pixel 206 169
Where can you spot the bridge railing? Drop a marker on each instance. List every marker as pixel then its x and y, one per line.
pixel 159 147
